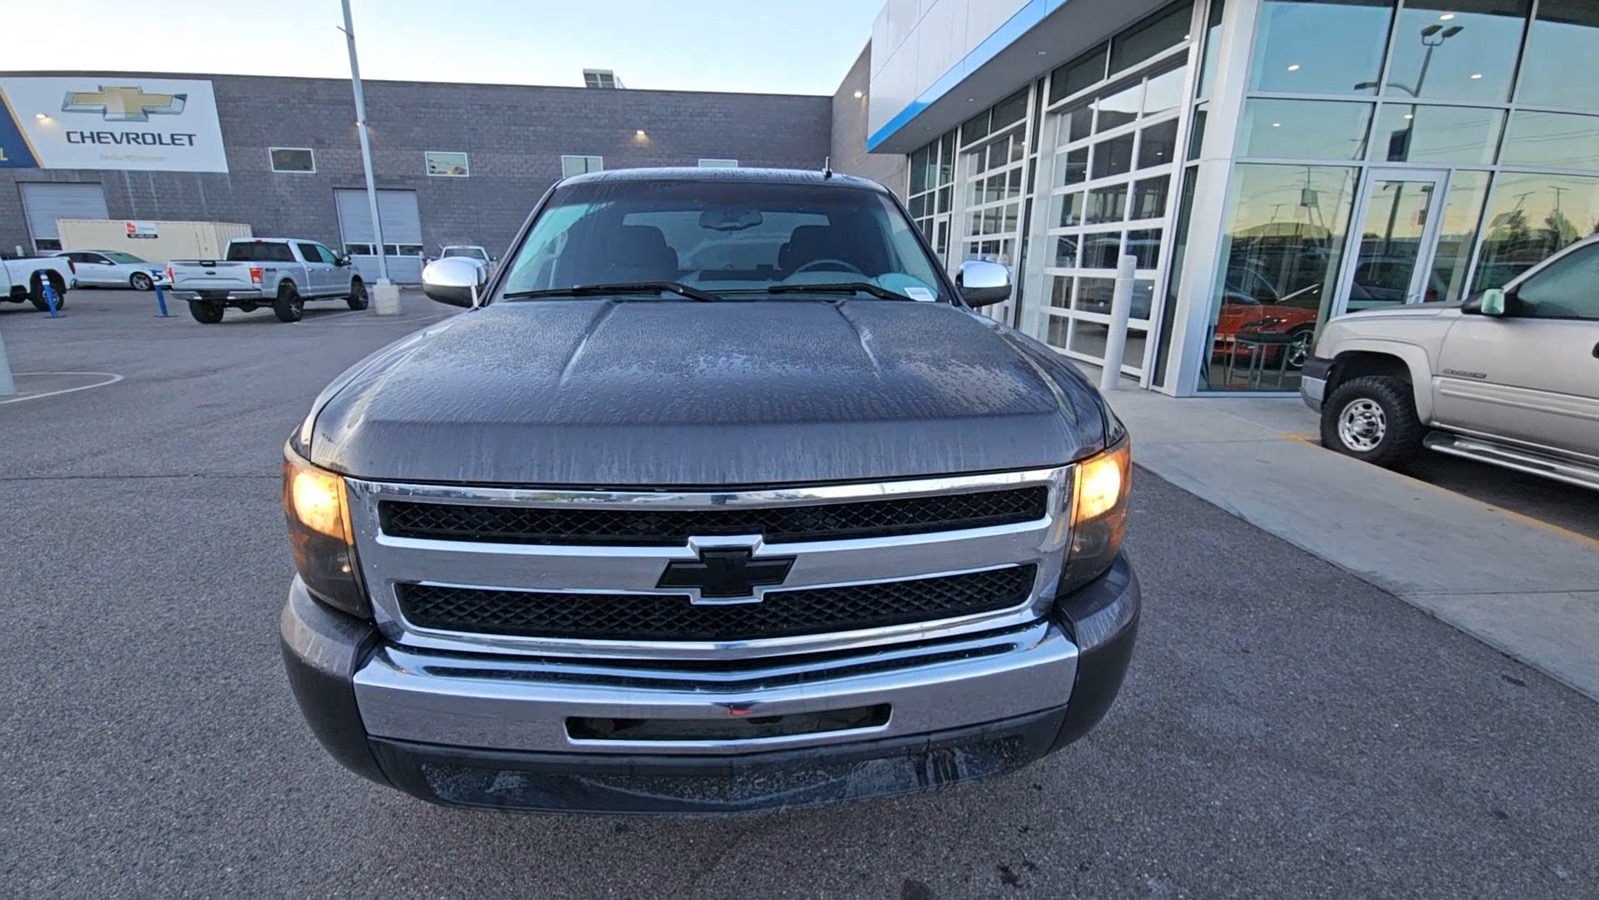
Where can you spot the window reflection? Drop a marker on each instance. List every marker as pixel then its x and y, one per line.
pixel 1458 233
pixel 1457 49
pixel 1304 129
pixel 1555 140
pixel 1164 92
pixel 1113 157
pixel 1149 197
pixel 1118 109
pixel 1106 204
pixel 1436 134
pixel 1529 218
pixel 1282 240
pixel 1071 167
pixel 1560 54
pixel 1207 67
pixel 1390 250
pixel 1319 47
pixel 1157 145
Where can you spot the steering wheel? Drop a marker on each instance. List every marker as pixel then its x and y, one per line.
pixel 829 265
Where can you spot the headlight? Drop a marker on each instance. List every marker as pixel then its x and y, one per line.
pixel 1098 515
pixel 319 534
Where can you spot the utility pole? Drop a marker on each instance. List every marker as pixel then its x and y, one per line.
pixel 387 296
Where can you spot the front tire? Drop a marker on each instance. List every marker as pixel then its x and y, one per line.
pixel 1373 419
pixel 357 299
pixel 205 312
pixel 140 281
pixel 287 305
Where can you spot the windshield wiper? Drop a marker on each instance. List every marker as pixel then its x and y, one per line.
pixel 842 287
pixel 600 290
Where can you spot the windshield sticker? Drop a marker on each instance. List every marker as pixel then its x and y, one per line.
pixel 920 293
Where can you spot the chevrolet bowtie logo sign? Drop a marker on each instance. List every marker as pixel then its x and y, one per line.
pixel 124 104
pixel 725 573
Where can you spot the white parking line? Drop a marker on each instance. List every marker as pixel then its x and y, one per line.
pixel 110 378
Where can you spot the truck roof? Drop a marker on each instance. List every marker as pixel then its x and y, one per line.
pixel 747 176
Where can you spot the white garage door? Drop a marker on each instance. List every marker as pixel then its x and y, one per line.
pixel 402 233
pixel 45 203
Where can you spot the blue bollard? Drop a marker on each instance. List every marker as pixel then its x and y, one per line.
pixel 160 300
pixel 50 298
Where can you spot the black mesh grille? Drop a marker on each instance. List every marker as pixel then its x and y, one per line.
pixel 645 528
pixel 674 618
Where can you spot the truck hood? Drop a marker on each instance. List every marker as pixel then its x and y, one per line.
pixel 627 394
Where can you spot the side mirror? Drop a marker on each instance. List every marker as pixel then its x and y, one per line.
pixel 983 283
pixel 455 281
pixel 1492 303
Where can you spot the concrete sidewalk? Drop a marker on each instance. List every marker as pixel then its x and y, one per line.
pixel 1524 587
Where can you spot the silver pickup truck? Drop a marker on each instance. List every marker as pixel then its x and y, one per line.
pixel 1510 377
pixel 720 497
pixel 24 280
pixel 281 273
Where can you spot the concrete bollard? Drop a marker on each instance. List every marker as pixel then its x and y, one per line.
pixel 160 301
pixel 8 386
pixel 385 298
pixel 50 298
pixel 1121 311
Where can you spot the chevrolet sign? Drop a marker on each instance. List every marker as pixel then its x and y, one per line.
pixel 148 124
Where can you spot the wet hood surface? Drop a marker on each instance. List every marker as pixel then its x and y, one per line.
pixel 612 394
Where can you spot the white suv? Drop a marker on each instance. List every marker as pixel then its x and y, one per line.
pixel 1510 377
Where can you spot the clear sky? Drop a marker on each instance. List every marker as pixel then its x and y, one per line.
pixel 777 46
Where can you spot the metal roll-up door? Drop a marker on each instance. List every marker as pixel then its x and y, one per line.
pixel 402 233
pixel 43 204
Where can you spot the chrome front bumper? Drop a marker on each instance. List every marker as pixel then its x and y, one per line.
pixel 510 704
pixel 496 730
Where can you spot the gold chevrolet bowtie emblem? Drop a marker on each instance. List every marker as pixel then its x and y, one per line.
pixel 123 104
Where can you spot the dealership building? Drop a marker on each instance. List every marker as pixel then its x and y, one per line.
pixel 453 163
pixel 1265 163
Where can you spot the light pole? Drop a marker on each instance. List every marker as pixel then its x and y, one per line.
pixel 386 295
pixel 1432 37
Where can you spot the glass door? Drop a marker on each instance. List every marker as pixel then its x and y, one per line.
pixel 1390 263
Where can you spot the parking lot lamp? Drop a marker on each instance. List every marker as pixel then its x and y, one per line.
pixel 366 162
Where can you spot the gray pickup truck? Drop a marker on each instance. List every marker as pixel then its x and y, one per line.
pixel 787 526
pixel 281 273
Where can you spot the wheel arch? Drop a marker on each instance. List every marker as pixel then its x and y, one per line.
pixel 1406 362
pixel 58 283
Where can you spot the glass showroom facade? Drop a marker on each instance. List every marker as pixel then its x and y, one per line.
pixel 1272 163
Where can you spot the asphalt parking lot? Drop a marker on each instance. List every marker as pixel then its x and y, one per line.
pixel 1286 730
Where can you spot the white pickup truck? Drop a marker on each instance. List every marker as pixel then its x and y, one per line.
pixel 1509 378
pixel 279 272
pixel 23 280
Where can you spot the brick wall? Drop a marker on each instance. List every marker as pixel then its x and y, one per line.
pixel 514 137
pixel 849 133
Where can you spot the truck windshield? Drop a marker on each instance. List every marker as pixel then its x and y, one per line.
pixel 738 240
pixel 468 252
